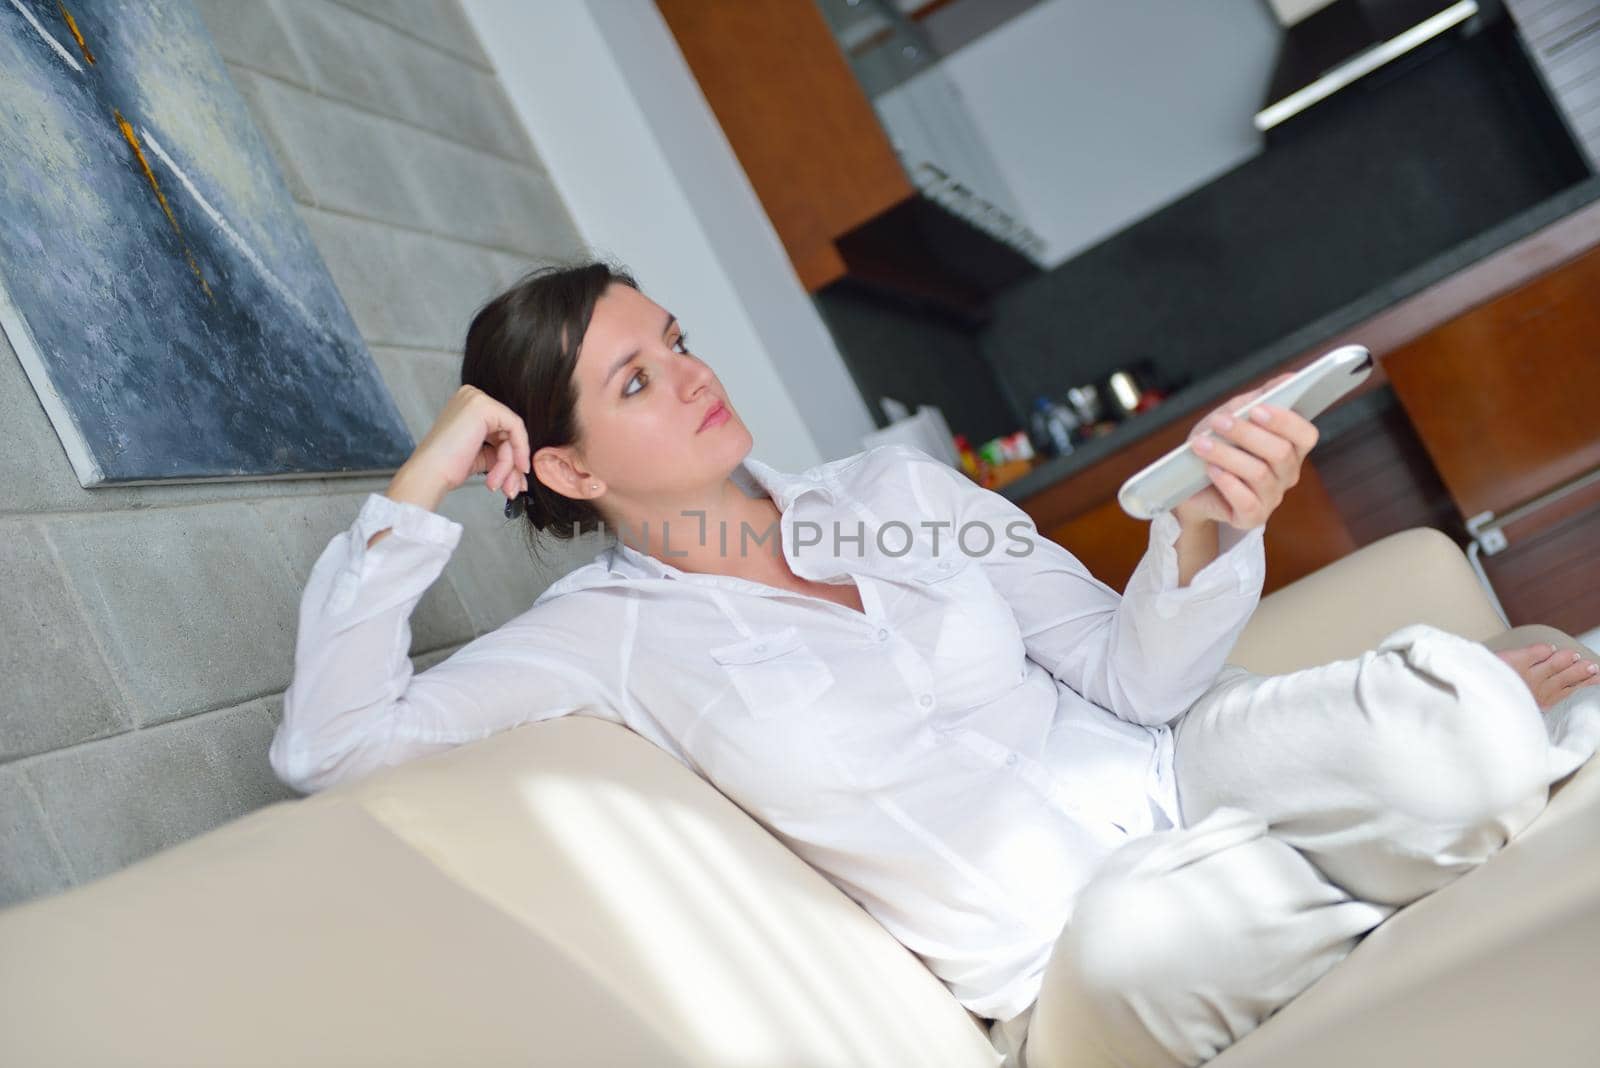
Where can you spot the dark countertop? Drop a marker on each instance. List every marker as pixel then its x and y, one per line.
pixel 1197 398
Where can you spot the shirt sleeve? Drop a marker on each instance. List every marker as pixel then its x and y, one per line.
pixel 355 705
pixel 1146 654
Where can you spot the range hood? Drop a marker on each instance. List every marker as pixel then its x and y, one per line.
pixel 1339 42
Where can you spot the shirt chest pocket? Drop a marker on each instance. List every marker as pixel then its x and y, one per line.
pixel 776 673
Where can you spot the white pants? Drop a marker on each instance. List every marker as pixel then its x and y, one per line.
pixel 1314 805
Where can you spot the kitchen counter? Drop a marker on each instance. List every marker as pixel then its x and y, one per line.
pixel 1200 396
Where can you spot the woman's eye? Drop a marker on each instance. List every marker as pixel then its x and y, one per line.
pixel 681 346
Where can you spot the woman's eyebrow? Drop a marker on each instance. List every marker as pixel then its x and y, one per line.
pixel 623 360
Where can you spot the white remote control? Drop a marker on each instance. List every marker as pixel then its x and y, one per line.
pixel 1181 473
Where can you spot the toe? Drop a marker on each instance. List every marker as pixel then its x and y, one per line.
pixel 1526 656
pixel 1555 664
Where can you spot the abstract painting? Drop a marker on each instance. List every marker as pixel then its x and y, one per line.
pixel 163 296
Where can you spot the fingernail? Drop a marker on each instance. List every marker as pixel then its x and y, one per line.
pixel 1261 415
pixel 1593 668
pixel 1222 422
pixel 1203 444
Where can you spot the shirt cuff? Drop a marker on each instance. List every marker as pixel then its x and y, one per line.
pixel 403 520
pixel 1240 565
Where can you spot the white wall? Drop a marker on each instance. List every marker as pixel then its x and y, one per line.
pixel 1099 113
pixel 648 177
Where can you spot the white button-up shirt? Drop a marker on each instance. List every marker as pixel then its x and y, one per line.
pixel 957 758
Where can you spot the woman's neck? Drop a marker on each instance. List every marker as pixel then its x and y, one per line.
pixel 730 534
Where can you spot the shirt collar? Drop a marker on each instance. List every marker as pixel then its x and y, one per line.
pixel 783 488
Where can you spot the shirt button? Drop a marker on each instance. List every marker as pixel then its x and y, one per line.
pixel 1011 761
pixel 925 700
pixel 883 635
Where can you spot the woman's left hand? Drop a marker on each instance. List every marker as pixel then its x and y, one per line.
pixel 1252 461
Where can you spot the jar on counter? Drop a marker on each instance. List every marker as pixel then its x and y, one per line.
pixel 1054 427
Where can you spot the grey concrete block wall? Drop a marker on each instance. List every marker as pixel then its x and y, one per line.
pixel 57 689
pixel 150 629
pixel 212 769
pixel 35 863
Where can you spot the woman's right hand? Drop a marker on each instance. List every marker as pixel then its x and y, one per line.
pixel 473 434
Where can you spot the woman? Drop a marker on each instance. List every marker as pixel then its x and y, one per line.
pixel 886 665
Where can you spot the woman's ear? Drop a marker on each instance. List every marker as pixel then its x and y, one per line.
pixel 555 466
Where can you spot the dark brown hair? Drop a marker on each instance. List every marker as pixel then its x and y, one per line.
pixel 521 350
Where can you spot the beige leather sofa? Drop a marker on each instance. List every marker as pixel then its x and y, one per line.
pixel 565 893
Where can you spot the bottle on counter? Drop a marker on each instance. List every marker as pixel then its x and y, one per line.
pixel 1086 404
pixel 1054 425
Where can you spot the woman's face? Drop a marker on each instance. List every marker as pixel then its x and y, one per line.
pixel 642 399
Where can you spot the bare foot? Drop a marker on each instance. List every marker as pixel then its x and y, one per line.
pixel 1550 673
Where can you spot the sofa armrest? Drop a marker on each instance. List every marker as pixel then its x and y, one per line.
pixel 563 892
pixel 1341 610
pixel 1494 969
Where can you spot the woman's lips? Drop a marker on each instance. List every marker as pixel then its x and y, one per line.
pixel 716 415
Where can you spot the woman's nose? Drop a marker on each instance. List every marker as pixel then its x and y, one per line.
pixel 693 376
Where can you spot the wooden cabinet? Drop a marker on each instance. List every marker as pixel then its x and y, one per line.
pixel 803 129
pixel 1506 400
